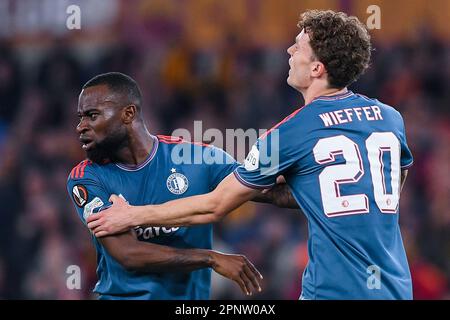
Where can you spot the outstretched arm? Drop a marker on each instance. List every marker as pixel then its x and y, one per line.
pixel 201 209
pixel 141 256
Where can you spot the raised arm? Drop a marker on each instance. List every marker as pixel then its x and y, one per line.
pixel 139 256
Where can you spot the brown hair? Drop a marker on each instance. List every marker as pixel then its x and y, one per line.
pixel 340 42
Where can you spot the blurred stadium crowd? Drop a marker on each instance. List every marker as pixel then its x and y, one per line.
pixel 236 80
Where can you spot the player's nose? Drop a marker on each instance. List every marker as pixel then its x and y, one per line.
pixel 289 50
pixel 81 127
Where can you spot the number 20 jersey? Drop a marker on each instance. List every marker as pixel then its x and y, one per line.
pixel 342 157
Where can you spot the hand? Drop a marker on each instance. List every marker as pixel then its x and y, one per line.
pixel 239 269
pixel 280 180
pixel 115 219
pixel 279 195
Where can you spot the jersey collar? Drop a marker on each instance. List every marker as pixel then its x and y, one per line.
pixel 143 164
pixel 335 97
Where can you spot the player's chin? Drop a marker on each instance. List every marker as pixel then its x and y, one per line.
pixel 95 154
pixel 290 81
pixel 294 83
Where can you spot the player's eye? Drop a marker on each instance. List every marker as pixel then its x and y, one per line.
pixel 93 116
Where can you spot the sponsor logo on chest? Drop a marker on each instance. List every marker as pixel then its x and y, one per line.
pixel 152 232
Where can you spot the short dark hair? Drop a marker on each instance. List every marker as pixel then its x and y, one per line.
pixel 120 83
pixel 340 42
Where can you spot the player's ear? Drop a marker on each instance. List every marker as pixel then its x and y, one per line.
pixel 129 113
pixel 317 69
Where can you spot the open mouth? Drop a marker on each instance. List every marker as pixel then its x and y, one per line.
pixel 86 143
pixel 87 146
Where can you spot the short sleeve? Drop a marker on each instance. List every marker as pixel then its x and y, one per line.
pixel 406 157
pixel 272 155
pixel 221 165
pixel 87 194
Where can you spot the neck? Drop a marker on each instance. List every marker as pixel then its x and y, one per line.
pixel 139 145
pixel 314 91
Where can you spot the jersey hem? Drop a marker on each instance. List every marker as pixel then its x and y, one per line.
pixel 406 166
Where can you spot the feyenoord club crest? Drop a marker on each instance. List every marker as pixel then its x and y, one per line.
pixel 177 183
pixel 80 195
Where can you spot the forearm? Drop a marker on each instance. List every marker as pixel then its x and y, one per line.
pixel 168 259
pixel 183 212
pixel 201 209
pixel 141 256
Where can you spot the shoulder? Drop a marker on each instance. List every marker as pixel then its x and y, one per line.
pixel 364 97
pixel 194 152
pixel 393 113
pixel 287 122
pixel 86 169
pixel 171 140
pixel 386 109
pixel 378 103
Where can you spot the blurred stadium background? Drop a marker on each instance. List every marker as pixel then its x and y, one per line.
pixel 223 62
